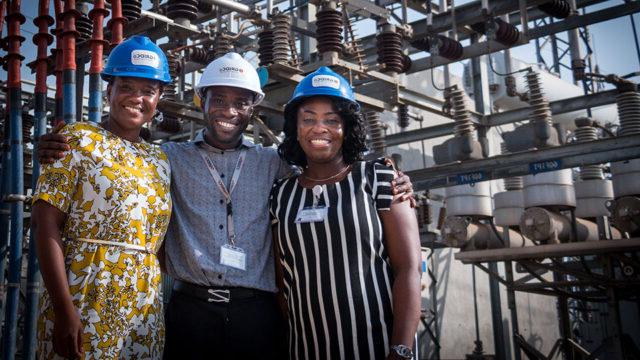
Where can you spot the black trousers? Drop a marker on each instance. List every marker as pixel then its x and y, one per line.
pixel 247 328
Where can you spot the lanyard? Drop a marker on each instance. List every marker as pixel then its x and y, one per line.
pixel 223 189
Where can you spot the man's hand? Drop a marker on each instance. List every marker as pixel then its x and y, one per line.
pixel 402 185
pixel 52 146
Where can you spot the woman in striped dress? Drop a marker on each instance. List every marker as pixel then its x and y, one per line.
pixel 348 251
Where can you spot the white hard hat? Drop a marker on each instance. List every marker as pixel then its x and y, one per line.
pixel 230 70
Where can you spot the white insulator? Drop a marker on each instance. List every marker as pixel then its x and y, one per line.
pixel 513 183
pixel 509 206
pixel 592 197
pixel 469 200
pixel 541 112
pixel 545 226
pixel 553 188
pixel 625 175
pixel 629 112
pixel 584 134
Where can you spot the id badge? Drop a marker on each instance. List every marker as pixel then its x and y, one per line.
pixel 233 256
pixel 311 214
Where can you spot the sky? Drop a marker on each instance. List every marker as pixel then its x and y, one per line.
pixel 613 42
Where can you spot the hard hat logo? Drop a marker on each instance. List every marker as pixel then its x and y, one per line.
pixel 145 58
pixel 325 81
pixel 231 69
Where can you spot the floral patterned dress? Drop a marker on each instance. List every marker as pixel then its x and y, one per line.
pixel 117 191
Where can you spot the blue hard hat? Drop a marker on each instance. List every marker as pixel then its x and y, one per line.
pixel 137 57
pixel 322 82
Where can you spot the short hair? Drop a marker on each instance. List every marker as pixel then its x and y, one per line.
pixel 353 146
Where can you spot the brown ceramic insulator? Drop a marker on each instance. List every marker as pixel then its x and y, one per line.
pixel 390 54
pixel 182 9
pixel 131 10
pixel 265 46
pixel 559 9
pixel 375 132
pixel 169 92
pixel 461 115
pixel 281 31
pixel 170 124
pixel 449 48
pixel 539 104
pixel 329 30
pixel 403 116
pixel 506 33
pixel 84 25
pixel 200 55
pixel 221 45
pixel 205 8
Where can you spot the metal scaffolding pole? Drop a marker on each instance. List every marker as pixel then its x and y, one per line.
pixel 16 197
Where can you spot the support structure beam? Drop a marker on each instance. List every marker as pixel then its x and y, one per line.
pixel 527 162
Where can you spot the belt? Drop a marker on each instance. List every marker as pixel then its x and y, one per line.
pixel 148 248
pixel 216 294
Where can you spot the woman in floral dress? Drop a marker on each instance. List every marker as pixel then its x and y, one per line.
pixel 100 214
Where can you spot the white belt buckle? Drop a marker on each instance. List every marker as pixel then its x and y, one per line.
pixel 219 295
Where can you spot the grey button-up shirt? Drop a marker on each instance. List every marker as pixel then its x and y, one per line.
pixel 198 226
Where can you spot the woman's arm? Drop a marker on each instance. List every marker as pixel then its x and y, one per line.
pixel 282 302
pixel 403 243
pixel 48 221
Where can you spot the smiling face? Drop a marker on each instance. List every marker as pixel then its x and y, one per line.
pixel 227 111
pixel 132 102
pixel 320 130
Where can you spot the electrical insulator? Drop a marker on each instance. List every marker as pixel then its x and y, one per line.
pixel 131 9
pixel 84 25
pixel 281 33
pixel 376 132
pixel 265 46
pixel 389 44
pixel 329 30
pixel 460 111
pixel 182 9
pixel 447 48
pixel 628 103
pixel 200 55
pixel 221 45
pixel 540 105
pixel 403 116
pixel 559 9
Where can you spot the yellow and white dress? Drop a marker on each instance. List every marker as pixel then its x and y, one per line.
pixel 112 190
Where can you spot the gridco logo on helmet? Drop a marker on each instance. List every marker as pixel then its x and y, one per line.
pixel 137 57
pixel 230 70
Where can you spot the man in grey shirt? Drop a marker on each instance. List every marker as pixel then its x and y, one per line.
pixel 218 247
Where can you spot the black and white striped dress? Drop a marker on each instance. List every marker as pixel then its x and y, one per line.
pixel 337 273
